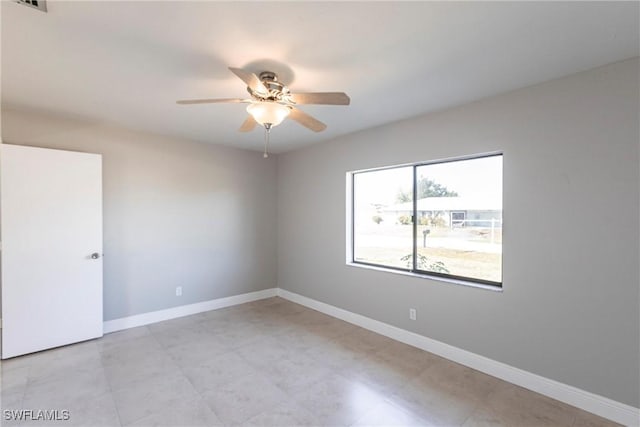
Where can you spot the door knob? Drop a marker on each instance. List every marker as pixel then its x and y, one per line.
pixel 95 255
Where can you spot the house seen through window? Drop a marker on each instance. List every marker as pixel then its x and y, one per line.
pixel 439 219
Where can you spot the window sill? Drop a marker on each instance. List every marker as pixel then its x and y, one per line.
pixel 426 276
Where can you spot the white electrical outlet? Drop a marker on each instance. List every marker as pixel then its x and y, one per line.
pixel 413 314
pixel 178 291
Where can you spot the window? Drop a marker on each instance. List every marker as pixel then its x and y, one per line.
pixel 441 219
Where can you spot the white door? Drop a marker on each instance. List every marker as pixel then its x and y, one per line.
pixel 51 230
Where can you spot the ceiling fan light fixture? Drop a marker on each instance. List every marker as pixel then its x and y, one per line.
pixel 271 102
pixel 270 113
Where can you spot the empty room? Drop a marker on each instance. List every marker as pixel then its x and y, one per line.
pixel 277 213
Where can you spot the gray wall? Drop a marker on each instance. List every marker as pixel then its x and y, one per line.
pixel 569 309
pixel 176 213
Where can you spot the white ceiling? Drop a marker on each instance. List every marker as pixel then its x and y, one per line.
pixel 128 62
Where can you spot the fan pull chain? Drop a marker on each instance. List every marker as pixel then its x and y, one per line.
pixel 267 132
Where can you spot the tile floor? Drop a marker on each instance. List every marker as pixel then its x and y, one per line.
pixel 266 363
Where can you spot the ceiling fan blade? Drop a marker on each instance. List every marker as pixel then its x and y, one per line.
pixel 306 120
pixel 211 101
pixel 251 80
pixel 248 125
pixel 326 98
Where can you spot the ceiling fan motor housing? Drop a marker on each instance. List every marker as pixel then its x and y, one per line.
pixel 270 81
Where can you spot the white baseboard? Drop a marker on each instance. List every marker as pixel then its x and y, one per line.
pixel 184 310
pixel 599 405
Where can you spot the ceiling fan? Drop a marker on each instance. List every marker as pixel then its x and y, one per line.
pixel 271 102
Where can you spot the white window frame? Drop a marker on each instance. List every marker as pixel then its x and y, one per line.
pixel 413 272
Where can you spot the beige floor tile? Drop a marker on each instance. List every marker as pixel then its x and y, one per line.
pixel 309 318
pixel 336 355
pixel 337 401
pixel 263 352
pixel 485 418
pixel 136 369
pixel 13 383
pixel 402 354
pixel 513 405
pixel 173 337
pixel 388 415
pixel 243 398
pixel 178 323
pixel 93 412
pixel 458 379
pixel 82 349
pixel 300 341
pixel 296 372
pixel 236 315
pixel 267 363
pixel 192 353
pixel 274 326
pixel 365 341
pixel 125 351
pixel 188 412
pixel 11 400
pixel 283 307
pixel 445 393
pixel 382 374
pixel 237 335
pixel 14 380
pixel 287 414
pixel 61 368
pixel 211 373
pixel 14 363
pixel 254 315
pixel 60 393
pixel 146 397
pixel 27 360
pixel 222 317
pixel 330 329
pixel 51 364
pixel 437 407
pixel 122 336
